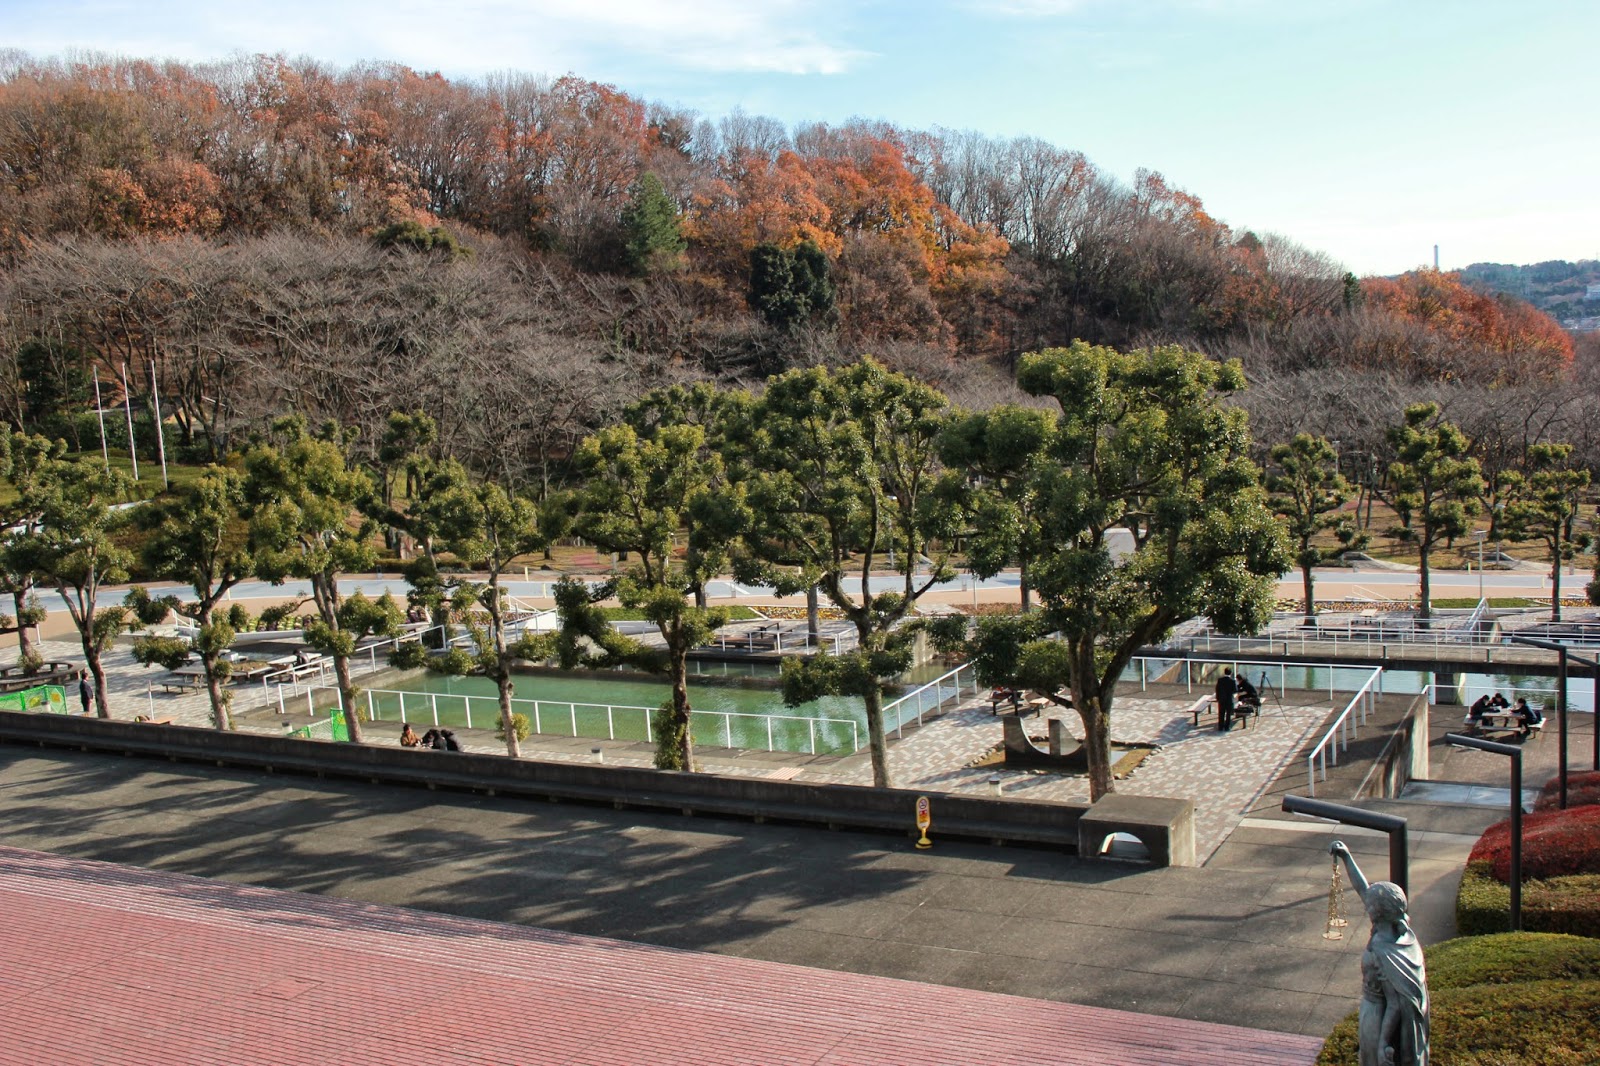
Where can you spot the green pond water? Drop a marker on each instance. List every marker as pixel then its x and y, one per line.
pixel 725 715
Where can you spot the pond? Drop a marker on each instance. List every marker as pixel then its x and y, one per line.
pixel 725 715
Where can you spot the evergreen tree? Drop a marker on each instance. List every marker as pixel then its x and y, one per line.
pixel 653 234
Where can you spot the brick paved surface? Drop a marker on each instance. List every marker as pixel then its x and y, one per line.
pixel 103 963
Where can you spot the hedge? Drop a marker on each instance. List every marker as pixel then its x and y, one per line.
pixel 1582 790
pixel 1554 844
pixel 1486 1013
pixel 1555 905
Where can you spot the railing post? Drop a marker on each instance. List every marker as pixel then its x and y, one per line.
pixel 611 724
pixel 573 707
pixel 372 715
pixel 433 698
pixel 466 709
pixel 770 746
pixel 727 730
pixel 811 723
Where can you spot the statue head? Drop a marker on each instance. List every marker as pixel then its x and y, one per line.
pixel 1385 902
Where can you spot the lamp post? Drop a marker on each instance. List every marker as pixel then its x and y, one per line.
pixel 1395 826
pixel 1561 701
pixel 1594 706
pixel 1515 753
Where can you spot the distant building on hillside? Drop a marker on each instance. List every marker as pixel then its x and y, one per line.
pixel 1594 291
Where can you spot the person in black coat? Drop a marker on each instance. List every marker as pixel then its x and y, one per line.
pixel 449 739
pixel 1227 689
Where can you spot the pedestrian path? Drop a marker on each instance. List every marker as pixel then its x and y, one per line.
pixel 169 969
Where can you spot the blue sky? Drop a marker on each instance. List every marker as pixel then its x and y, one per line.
pixel 1367 129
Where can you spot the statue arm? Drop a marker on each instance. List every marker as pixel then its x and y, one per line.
pixel 1357 880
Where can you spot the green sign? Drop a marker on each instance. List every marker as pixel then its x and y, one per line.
pixel 52 698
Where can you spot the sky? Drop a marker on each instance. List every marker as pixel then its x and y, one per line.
pixel 1370 130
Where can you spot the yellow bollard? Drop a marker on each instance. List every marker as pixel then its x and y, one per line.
pixel 923 820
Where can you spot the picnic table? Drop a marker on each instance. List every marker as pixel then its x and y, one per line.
pixel 1505 720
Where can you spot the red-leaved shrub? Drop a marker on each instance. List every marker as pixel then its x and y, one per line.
pixel 1582 789
pixel 1554 844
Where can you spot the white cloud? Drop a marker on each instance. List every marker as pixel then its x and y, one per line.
pixel 466 36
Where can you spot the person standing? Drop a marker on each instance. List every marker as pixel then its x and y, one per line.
pixel 85 690
pixel 1227 689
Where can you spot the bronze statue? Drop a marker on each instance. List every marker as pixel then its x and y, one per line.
pixel 1393 1021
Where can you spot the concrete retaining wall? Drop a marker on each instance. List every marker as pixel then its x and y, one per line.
pixel 836 806
pixel 1404 759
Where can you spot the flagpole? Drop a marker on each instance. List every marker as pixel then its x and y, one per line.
pixel 127 405
pixel 99 410
pixel 161 436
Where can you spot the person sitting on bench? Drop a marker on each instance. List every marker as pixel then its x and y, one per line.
pixel 1249 698
pixel 1529 715
pixel 1480 707
pixel 1003 693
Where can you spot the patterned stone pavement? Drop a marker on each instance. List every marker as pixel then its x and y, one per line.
pixel 1222 772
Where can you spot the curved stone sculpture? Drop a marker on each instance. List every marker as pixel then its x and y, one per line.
pixel 1066 753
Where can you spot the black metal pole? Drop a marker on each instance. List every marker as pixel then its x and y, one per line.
pixel 1395 826
pixel 1513 752
pixel 1594 674
pixel 1561 705
pixel 1561 709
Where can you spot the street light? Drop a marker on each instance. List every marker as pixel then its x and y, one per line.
pixel 1461 740
pixel 1480 535
pixel 1394 825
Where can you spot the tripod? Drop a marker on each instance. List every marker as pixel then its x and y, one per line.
pixel 1266 687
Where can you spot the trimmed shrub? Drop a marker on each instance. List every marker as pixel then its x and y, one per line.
pixel 1486 1013
pixel 1507 958
pixel 1556 905
pixel 519 724
pixel 1582 790
pixel 1554 844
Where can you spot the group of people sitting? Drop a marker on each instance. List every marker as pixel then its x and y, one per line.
pixel 1525 713
pixel 436 739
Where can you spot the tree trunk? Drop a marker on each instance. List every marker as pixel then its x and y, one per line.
pixel 681 710
pixel 1426 611
pixel 813 616
pixel 1311 603
pixel 1097 742
pixel 876 738
pixel 347 697
pixel 1555 587
pixel 502 674
pixel 219 699
pixel 91 655
pixel 24 642
pixel 1026 589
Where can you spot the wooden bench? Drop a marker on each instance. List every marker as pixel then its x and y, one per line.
pixel 1242 712
pixel 144 720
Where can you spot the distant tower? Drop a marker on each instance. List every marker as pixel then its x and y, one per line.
pixel 1436 259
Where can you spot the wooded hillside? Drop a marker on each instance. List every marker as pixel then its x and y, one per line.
pixel 520 256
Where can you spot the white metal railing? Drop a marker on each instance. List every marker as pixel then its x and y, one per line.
pixel 1337 738
pixel 321 666
pixel 1477 614
pixel 1367 635
pixel 1193 668
pixel 544 715
pixel 934 694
